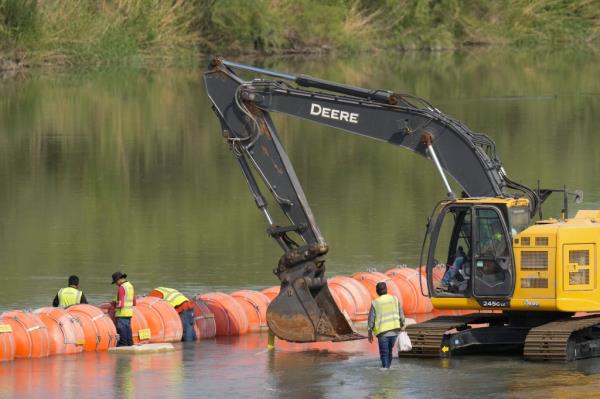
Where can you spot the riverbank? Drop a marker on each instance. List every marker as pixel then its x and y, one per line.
pixel 147 32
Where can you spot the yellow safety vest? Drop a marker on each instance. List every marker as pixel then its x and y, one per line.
pixel 387 314
pixel 68 296
pixel 127 309
pixel 174 297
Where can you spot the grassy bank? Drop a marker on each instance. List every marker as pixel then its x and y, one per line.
pixel 92 32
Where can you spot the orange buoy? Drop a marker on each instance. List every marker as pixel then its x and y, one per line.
pixel 107 308
pixel 153 320
pixel 409 282
pixel 408 290
pixel 204 325
pixel 140 330
pixel 230 317
pixel 29 333
pixel 7 342
pixel 437 272
pixel 370 280
pixel 167 326
pixel 64 330
pixel 255 306
pixel 271 292
pixel 343 300
pixel 360 295
pixel 99 330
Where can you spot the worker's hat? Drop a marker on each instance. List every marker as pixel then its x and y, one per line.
pixel 117 275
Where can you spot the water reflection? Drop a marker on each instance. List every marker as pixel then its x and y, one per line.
pixel 123 378
pixel 242 367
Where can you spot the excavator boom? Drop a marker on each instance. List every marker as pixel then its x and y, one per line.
pixel 304 310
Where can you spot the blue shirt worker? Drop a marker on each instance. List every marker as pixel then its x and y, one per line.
pixel 124 303
pixel 70 295
pixel 386 319
pixel 183 306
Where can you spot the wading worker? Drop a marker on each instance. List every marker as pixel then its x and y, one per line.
pixel 124 303
pixel 182 305
pixel 70 295
pixel 386 319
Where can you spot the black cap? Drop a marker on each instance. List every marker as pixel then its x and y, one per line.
pixel 118 275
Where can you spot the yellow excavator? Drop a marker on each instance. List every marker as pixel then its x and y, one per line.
pixel 529 280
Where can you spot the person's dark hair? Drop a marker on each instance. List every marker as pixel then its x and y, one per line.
pixel 73 280
pixel 381 288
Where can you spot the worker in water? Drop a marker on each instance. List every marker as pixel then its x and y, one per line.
pixel 182 305
pixel 70 295
pixel 386 319
pixel 124 303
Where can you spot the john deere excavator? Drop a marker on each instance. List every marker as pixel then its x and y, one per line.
pixel 535 275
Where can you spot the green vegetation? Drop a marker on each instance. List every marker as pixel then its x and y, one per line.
pixel 92 32
pixel 89 32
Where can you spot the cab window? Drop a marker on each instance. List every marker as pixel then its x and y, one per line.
pixel 452 249
pixel 493 259
pixel 492 241
pixel 519 219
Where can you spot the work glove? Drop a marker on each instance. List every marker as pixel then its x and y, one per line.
pixel 370 337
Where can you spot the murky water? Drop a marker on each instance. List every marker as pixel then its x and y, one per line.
pixel 126 169
pixel 243 368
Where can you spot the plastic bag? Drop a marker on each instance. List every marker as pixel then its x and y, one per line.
pixel 403 342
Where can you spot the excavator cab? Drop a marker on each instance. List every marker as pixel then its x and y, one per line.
pixel 472 239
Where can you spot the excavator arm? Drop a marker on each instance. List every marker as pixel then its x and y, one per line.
pixel 304 310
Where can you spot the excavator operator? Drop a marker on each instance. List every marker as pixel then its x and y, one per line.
pixel 453 269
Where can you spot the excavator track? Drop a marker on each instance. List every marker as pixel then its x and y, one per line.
pixel 564 340
pixel 427 337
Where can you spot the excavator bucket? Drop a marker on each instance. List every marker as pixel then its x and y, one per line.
pixel 304 310
pixel 299 315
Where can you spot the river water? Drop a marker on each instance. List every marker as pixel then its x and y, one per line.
pixel 125 169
